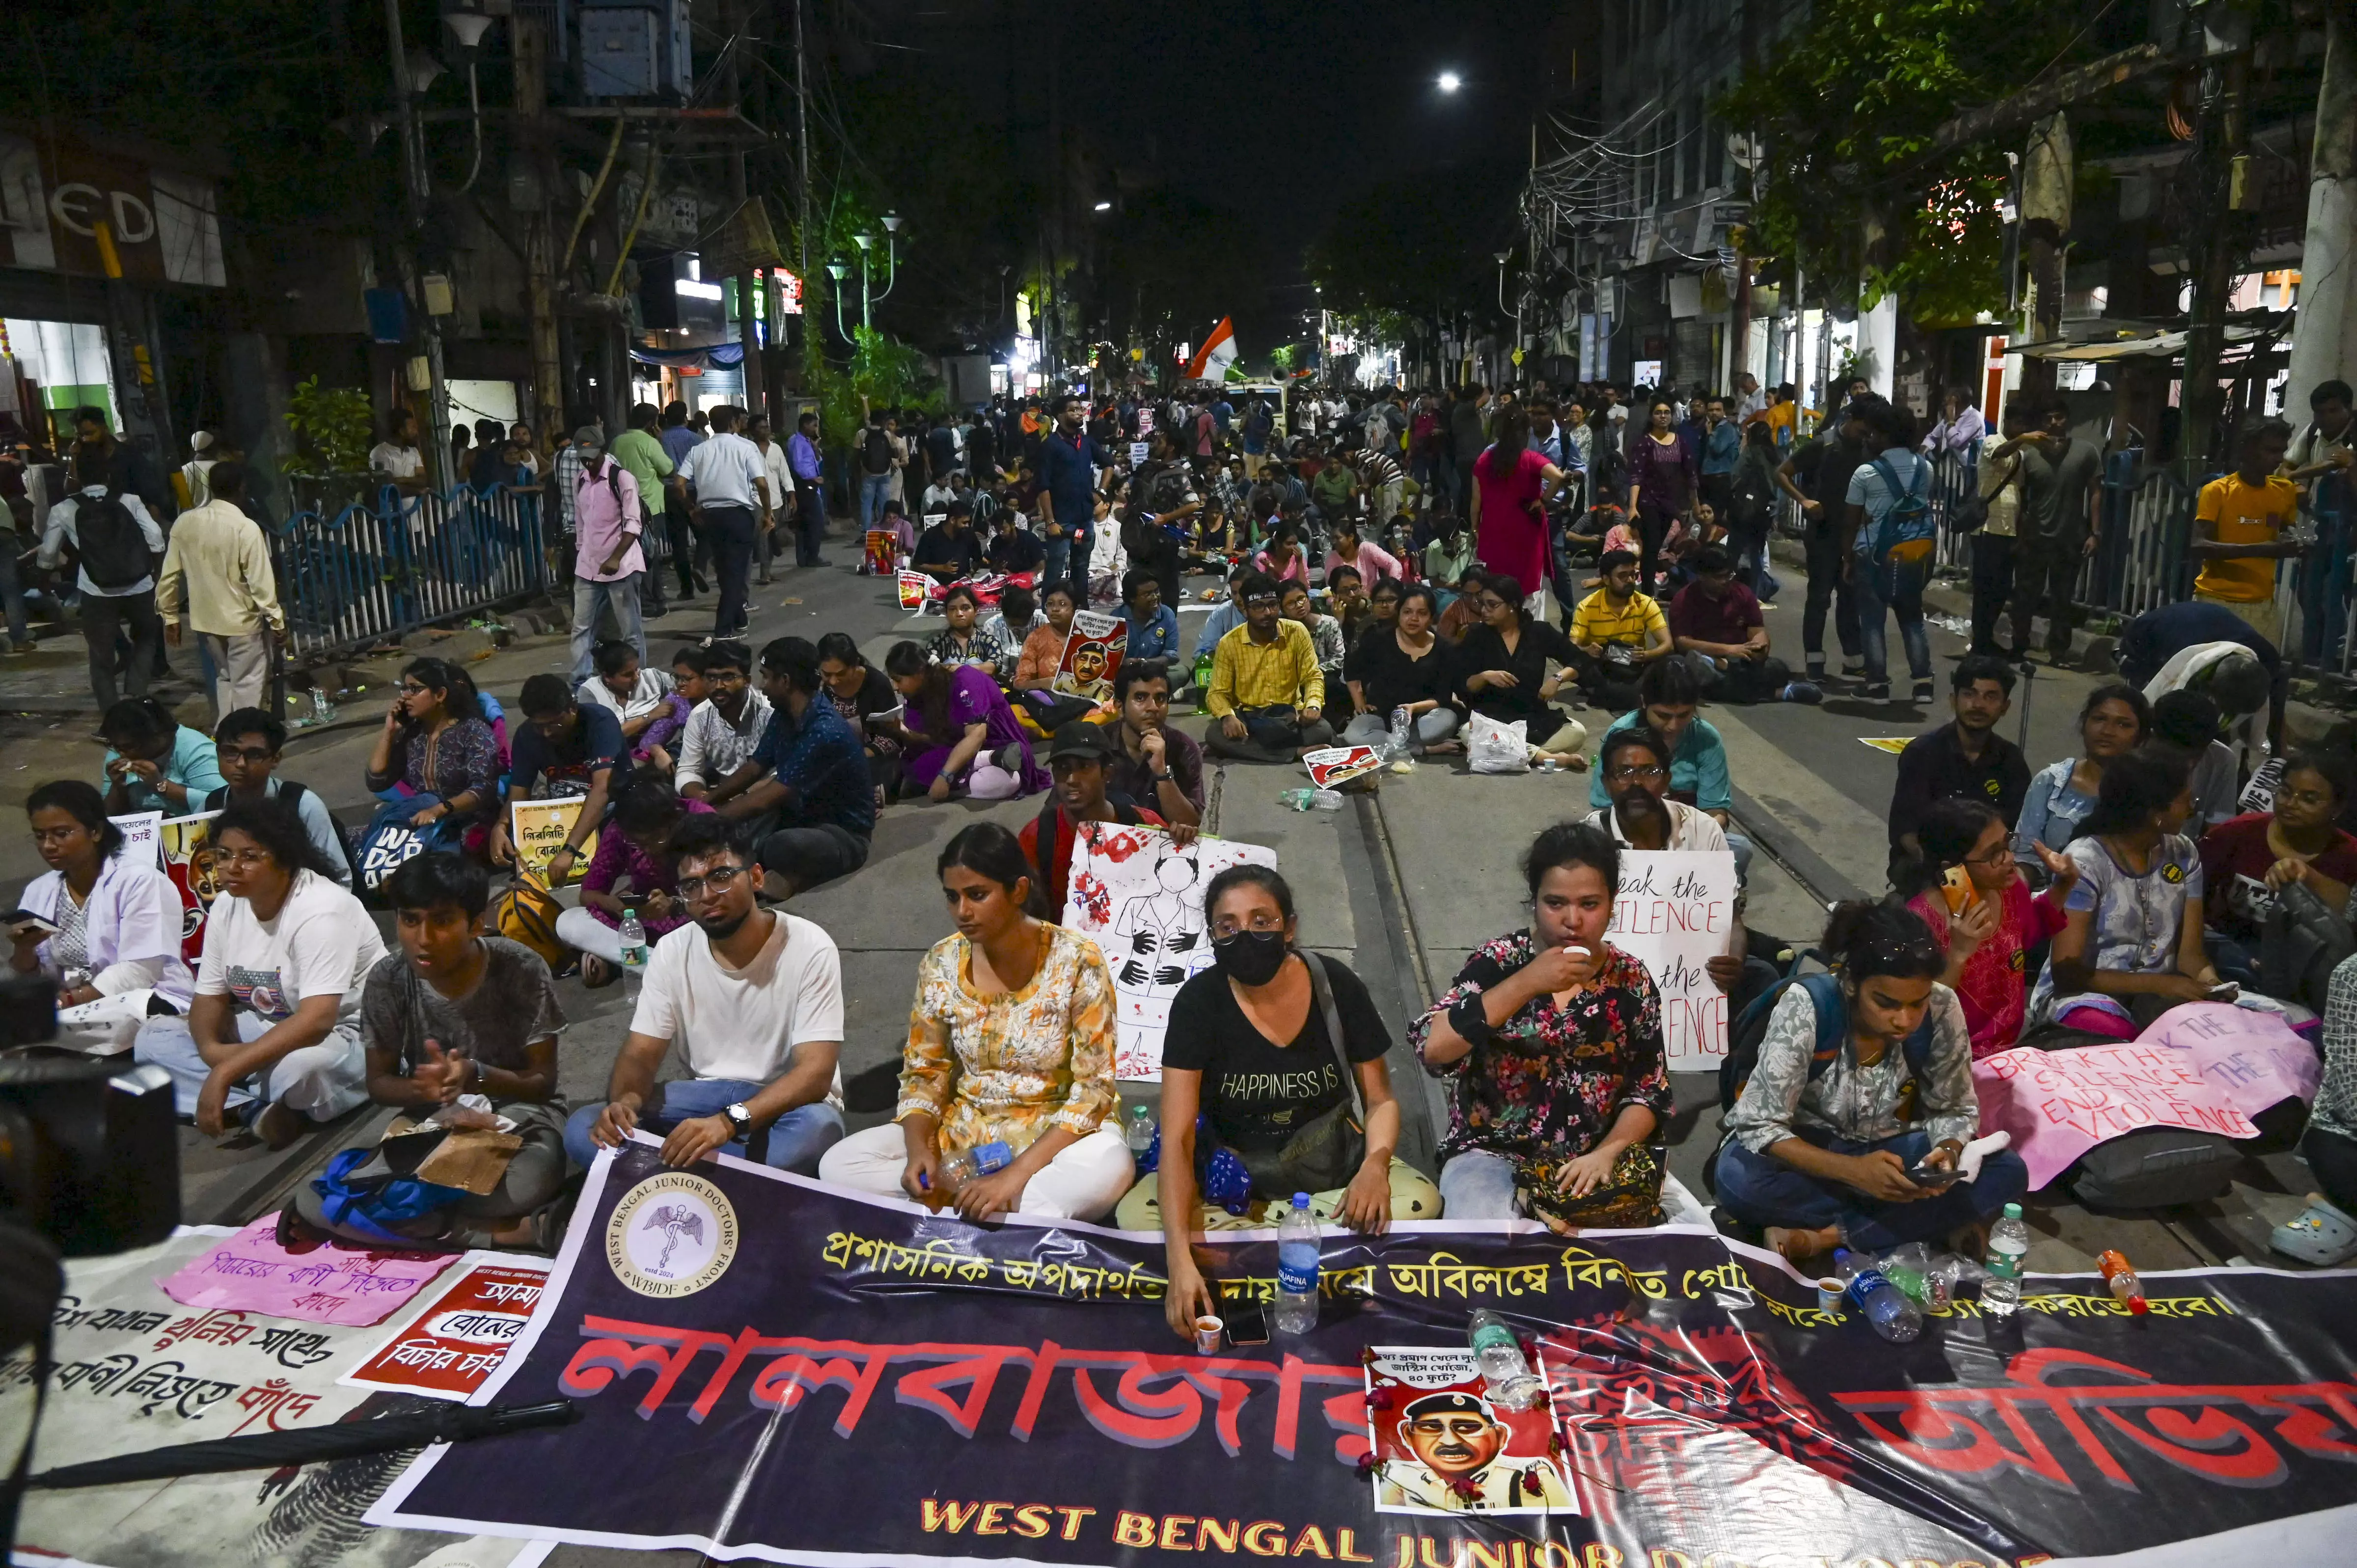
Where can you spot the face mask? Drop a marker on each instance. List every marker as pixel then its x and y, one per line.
pixel 1249 958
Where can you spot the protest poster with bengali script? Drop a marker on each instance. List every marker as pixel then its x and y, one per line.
pixel 1673 914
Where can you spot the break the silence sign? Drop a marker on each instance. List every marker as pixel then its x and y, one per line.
pixel 768 1368
pixel 1675 912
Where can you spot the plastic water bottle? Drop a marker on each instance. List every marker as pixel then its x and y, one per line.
pixel 1140 1132
pixel 1311 800
pixel 634 949
pixel 2009 1247
pixel 1399 737
pixel 1499 1353
pixel 1297 1268
pixel 982 1160
pixel 2120 1275
pixel 323 712
pixel 1884 1305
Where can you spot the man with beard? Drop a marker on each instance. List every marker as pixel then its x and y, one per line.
pixel 1634 764
pixel 1153 764
pixel 1079 760
pixel 754 999
pixel 1459 1467
pixel 1966 757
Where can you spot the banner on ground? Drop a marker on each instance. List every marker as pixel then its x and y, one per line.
pixel 2255 1059
pixel 1335 765
pixel 741 1342
pixel 538 829
pixel 1139 897
pixel 1674 913
pixel 1092 651
pixel 131 1369
pixel 2059 1104
pixel 446 1347
pixel 915 587
pixel 249 1271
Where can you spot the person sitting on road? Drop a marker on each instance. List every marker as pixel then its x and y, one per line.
pixel 154 762
pixel 1464 611
pixel 1267 695
pixel 724 727
pixel 1153 624
pixel 963 737
pixel 2247 860
pixel 753 998
pixel 1283 558
pixel 1346 601
pixel 2324 1234
pixel 1965 756
pixel 948 551
pixel 1251 1067
pixel 1550 1039
pixel 2130 946
pixel 1502 667
pixel 961 645
pixel 565 749
pixel 2190 724
pixel 1448 554
pixel 1080 759
pixel 1971 893
pixel 272 1037
pixel 113 921
pixel 1011 624
pixel 1667 702
pixel 435 744
pixel 1718 630
pixel 1818 1159
pixel 2113 720
pixel 1406 665
pixel 808 783
pixel 1372 561
pixel 1013 549
pixel 1229 613
pixel 631 872
pixel 864 696
pixel 250 745
pixel 1621 631
pixel 1010 1044
pixel 457 1013
pixel 1326 639
pixel 651 712
pixel 1042 661
pixel 1156 767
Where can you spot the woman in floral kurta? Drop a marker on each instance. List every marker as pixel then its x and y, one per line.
pixel 1549 1081
pixel 995 1066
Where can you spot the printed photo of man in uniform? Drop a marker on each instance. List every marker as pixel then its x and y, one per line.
pixel 1459 1465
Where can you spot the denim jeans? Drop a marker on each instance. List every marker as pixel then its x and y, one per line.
pixel 1826 590
pixel 1059 553
pixel 622 593
pixel 1895 585
pixel 874 489
pixel 796 1139
pixel 1477 1185
pixel 1761 1189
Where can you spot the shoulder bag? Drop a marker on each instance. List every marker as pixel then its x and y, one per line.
pixel 1326 1152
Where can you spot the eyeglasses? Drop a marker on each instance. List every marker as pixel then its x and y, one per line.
pixel 244 858
pixel 1992 859
pixel 412 688
pixel 1650 770
pixel 716 879
pixel 256 754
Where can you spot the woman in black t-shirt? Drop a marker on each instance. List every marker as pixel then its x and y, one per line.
pixel 1248 1047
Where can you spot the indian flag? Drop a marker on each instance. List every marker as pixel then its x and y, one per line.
pixel 1219 351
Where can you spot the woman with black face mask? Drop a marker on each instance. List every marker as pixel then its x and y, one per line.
pixel 1282 1053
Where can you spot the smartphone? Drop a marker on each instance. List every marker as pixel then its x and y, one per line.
pixel 1933 1175
pixel 19 921
pixel 1958 889
pixel 1247 1326
pixel 2229 992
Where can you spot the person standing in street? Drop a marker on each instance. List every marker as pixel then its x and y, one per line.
pixel 2238 529
pixel 1721 447
pixel 731 489
pixel 2000 482
pixel 641 450
pixel 2057 530
pixel 1068 461
pixel 690 551
pixel 608 564
pixel 1468 435
pixel 1827 460
pixel 219 563
pixel 808 470
pixel 781 485
pixel 117 542
pixel 876 468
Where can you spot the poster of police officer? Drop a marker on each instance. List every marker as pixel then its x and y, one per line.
pixel 1442 1445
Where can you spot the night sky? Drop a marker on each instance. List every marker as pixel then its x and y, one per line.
pixel 1279 111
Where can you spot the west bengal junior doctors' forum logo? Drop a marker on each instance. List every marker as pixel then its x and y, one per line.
pixel 672 1235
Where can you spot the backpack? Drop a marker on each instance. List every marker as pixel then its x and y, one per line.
pixel 369 1208
pixel 527 913
pixel 1910 514
pixel 1751 1027
pixel 2301 945
pixel 290 795
pixel 113 548
pixel 875 451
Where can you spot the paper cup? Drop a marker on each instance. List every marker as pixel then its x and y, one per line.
pixel 1829 1293
pixel 1208 1331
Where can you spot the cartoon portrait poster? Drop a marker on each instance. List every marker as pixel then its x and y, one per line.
pixel 186 845
pixel 1442 1446
pixel 1140 898
pixel 1091 653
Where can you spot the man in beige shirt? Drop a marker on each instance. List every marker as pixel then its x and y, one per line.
pixel 219 563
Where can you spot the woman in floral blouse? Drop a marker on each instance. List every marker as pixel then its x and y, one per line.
pixel 1551 1038
pixel 1010 1052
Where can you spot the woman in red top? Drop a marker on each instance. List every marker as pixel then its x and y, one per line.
pixel 1512 536
pixel 1985 918
pixel 2247 860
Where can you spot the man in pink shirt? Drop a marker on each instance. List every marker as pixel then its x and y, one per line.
pixel 608 565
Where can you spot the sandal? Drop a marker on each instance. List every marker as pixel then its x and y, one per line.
pixel 2321 1235
pixel 596 973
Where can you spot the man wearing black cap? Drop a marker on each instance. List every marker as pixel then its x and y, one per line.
pixel 1079 760
pixel 1458 1444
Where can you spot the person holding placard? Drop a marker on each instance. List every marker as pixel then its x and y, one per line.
pixel 111 919
pixel 1010 1043
pixel 563 749
pixel 1550 1039
pixel 1861 1150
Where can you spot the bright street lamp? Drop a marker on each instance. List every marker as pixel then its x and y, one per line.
pixel 1104 207
pixel 1450 81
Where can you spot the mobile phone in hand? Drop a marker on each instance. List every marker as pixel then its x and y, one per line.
pixel 21 921
pixel 2230 991
pixel 1933 1175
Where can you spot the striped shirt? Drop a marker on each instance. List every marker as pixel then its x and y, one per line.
pixel 1378 469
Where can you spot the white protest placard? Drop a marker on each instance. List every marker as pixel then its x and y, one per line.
pixel 143 837
pixel 1673 914
pixel 1140 898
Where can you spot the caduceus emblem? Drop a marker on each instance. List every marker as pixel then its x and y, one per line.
pixel 674 1220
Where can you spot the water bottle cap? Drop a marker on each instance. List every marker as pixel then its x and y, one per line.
pixel 1300 1200
pixel 2013 1211
pixel 628 913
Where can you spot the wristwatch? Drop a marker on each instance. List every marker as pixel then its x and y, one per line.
pixel 740 1119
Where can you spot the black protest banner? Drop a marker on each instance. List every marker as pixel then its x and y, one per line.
pixel 773 1369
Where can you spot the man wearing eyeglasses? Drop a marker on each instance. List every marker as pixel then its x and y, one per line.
pixel 1268 693
pixel 754 999
pixel 249 745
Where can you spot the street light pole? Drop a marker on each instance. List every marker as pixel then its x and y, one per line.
pixel 413 204
pixel 866 305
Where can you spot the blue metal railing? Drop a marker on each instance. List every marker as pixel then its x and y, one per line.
pixel 389 565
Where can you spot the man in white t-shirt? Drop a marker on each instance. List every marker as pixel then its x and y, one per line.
pixel 397 457
pixel 732 492
pixel 754 997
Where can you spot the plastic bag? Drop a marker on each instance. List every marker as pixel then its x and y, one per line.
pixel 1494 748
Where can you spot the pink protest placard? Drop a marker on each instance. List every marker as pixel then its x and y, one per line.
pixel 345 1286
pixel 2059 1104
pixel 2256 1060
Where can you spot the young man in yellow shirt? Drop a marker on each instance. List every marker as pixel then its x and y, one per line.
pixel 1267 694
pixel 2238 526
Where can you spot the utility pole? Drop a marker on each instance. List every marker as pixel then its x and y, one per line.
pixel 2326 332
pixel 749 332
pixel 811 365
pixel 540 244
pixel 2046 176
pixel 2225 131
pixel 413 193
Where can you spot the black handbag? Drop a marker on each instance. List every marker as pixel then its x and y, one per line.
pixel 1326 1152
